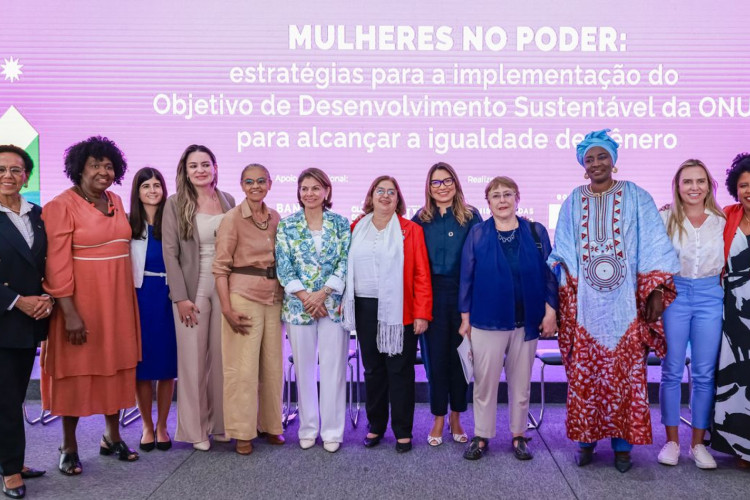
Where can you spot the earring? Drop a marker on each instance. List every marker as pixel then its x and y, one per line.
pixel 614 170
pixel 586 175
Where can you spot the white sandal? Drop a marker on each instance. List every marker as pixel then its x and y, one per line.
pixel 461 438
pixel 434 441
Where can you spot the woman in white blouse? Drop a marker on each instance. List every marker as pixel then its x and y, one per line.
pixel 695 224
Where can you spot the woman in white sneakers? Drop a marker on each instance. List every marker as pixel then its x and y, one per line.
pixel 695 224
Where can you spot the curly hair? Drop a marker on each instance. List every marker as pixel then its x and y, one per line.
pixel 28 163
pixel 740 165
pixel 96 147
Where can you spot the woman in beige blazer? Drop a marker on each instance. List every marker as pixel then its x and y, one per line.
pixel 191 218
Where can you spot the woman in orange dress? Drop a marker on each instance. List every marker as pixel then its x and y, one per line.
pixel 88 364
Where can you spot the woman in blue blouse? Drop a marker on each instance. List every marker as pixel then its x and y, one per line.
pixel 446 220
pixel 507 296
pixel 312 246
pixel 159 344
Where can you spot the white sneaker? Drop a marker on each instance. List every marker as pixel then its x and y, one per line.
pixel 306 443
pixel 221 438
pixel 202 445
pixel 669 454
pixel 702 457
pixel 331 446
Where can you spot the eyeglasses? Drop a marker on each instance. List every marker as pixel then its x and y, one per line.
pixel 383 191
pixel 14 171
pixel 447 182
pixel 506 196
pixel 261 181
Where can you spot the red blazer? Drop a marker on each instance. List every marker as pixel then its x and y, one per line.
pixel 734 217
pixel 417 281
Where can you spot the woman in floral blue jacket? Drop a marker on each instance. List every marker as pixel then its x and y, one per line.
pixel 312 246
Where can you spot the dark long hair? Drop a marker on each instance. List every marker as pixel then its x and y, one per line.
pixel 137 212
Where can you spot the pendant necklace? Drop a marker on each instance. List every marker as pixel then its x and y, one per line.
pixel 261 225
pixel 509 238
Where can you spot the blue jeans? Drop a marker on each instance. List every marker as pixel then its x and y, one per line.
pixel 695 317
pixel 618 444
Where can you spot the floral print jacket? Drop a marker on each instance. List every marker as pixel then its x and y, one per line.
pixel 299 266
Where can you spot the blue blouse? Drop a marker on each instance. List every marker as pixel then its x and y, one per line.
pixel 487 291
pixel 444 238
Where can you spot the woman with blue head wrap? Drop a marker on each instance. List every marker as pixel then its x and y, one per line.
pixel 614 263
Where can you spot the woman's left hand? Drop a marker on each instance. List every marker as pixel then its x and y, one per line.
pixel 654 306
pixel 43 307
pixel 314 301
pixel 420 326
pixel 549 323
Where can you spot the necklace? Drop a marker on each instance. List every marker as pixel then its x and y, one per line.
pixel 261 225
pixel 744 216
pixel 79 190
pixel 507 239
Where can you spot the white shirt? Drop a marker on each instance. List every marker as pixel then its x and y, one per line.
pixel 365 257
pixel 22 221
pixel 701 250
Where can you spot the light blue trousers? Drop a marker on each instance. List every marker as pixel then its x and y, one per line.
pixel 694 317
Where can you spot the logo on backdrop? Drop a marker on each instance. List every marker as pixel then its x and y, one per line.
pixel 11 69
pixel 16 130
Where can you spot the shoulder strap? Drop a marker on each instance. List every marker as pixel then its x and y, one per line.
pixel 537 240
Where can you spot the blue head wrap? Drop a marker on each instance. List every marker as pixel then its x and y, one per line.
pixel 600 139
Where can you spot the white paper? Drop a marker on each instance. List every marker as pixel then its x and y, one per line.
pixel 467 359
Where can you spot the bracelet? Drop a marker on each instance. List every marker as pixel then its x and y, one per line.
pixel 657 289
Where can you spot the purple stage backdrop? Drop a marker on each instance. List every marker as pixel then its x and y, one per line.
pixel 390 87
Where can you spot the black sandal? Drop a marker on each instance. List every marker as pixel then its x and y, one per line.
pixel 474 451
pixel 119 449
pixel 69 462
pixel 520 449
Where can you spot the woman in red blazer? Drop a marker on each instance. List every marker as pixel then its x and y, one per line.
pixel 388 299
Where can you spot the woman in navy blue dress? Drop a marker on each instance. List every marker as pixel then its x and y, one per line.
pixel 159 356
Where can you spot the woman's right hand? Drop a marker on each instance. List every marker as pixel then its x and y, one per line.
pixel 238 322
pixel 75 328
pixel 188 313
pixel 465 329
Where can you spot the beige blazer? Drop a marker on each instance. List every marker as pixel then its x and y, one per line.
pixel 182 257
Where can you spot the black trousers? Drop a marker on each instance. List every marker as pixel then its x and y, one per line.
pixel 15 371
pixel 387 378
pixel 443 366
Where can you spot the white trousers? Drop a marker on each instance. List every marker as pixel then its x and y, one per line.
pixel 330 339
pixel 492 349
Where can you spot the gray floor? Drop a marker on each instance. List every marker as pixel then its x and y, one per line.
pixel 355 472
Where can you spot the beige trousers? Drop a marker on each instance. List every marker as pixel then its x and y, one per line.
pixel 492 349
pixel 253 371
pixel 199 374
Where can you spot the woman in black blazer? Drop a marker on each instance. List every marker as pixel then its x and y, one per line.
pixel 23 310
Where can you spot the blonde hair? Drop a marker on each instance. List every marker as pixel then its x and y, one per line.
pixel 677 211
pixel 187 196
pixel 461 210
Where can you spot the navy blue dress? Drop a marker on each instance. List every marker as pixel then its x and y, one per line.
pixel 158 338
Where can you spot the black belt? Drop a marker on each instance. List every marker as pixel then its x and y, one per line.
pixel 264 272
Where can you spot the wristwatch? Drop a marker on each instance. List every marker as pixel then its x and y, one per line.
pixel 328 290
